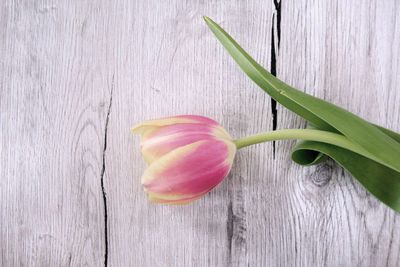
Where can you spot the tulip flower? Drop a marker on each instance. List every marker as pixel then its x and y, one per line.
pixel 190 155
pixel 187 157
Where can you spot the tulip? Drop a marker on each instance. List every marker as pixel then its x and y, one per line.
pixel 187 156
pixel 190 155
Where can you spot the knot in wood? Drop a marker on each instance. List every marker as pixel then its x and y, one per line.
pixel 321 175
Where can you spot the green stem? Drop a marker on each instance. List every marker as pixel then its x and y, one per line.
pixel 304 134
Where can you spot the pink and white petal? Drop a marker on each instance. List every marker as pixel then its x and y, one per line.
pixel 220 133
pixel 167 138
pixel 190 170
pixel 200 119
pixel 143 127
pixel 147 126
pixel 152 173
pixel 155 150
pixel 180 128
pixel 231 151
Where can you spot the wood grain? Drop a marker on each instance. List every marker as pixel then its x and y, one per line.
pixel 54 96
pixel 342 52
pixel 76 75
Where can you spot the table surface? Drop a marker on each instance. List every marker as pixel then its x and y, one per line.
pixel 76 75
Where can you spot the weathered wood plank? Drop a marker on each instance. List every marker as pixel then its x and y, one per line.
pixel 54 97
pixel 346 52
pixel 174 65
pixel 62 62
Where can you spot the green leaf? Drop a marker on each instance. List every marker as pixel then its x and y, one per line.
pixel 379 180
pixel 380 142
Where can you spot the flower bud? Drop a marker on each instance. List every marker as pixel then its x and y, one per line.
pixel 187 157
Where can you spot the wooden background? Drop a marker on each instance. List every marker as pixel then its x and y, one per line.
pixel 75 75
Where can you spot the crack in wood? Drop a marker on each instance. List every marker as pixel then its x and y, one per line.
pixel 274 50
pixel 229 229
pixel 103 169
pixel 278 5
pixel 236 226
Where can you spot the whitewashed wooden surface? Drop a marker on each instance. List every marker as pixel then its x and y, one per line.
pixel 75 75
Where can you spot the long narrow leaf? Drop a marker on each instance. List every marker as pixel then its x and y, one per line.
pixel 380 173
pixel 318 112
